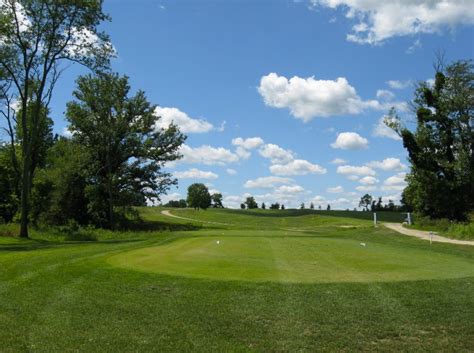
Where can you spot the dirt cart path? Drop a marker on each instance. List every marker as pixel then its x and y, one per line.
pixel 425 235
pixel 169 214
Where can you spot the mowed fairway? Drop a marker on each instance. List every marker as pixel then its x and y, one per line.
pixel 292 258
pixel 277 281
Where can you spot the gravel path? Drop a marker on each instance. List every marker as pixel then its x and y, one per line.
pixel 169 214
pixel 425 235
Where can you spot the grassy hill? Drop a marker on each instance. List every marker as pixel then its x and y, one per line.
pixel 250 281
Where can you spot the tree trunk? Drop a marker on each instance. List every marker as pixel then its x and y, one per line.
pixel 25 196
pixel 111 204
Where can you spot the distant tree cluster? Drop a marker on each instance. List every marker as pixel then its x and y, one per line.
pixel 177 203
pixel 250 203
pixel 369 203
pixel 200 198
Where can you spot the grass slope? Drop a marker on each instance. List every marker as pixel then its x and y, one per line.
pixel 59 296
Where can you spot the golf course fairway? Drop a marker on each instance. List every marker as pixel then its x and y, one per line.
pixel 297 259
pixel 225 280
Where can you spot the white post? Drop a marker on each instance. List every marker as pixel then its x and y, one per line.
pixel 409 218
pixel 375 219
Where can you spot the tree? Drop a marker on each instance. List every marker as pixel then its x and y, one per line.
pixel 198 196
pixel 8 182
pixel 177 204
pixel 58 195
pixel 36 37
pixel 302 206
pixel 441 149
pixel 251 203
pixel 263 206
pixel 390 206
pixel 275 206
pixel 328 208
pixel 373 206
pixel 282 207
pixel 319 207
pixel 311 206
pixel 242 206
pixel 378 206
pixel 216 199
pixel 365 202
pixel 127 152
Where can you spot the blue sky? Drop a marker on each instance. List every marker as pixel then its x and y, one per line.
pixel 309 81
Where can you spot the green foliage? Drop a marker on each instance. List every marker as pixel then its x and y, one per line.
pixel 216 200
pixel 446 227
pixel 441 149
pixel 251 203
pixel 177 204
pixel 9 200
pixel 59 192
pixel 275 206
pixel 51 32
pixel 198 196
pixel 365 202
pixel 126 151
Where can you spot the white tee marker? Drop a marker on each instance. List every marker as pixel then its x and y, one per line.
pixel 218 242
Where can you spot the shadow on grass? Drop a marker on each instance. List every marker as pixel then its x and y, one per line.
pixel 157 226
pixel 383 216
pixel 37 244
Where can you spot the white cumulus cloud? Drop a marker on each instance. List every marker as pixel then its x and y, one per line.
pixel 308 98
pixel 276 154
pixel 338 161
pixel 289 189
pixel 267 182
pixel 393 164
pixel 350 141
pixel 194 173
pixel 207 155
pixel 297 167
pixel 335 190
pixel 395 183
pixel 182 120
pixel 397 84
pixel 368 180
pixel 248 143
pixel 379 20
pixel 355 170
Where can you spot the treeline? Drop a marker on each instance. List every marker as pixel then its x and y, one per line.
pixel 369 203
pixel 441 148
pixel 113 155
pixel 198 197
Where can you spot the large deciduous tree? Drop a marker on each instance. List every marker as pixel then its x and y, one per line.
pixel 126 148
pixel 36 36
pixel 441 149
pixel 198 196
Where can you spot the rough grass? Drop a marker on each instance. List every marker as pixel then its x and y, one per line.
pixel 61 296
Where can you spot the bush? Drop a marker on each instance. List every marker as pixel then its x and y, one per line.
pixel 445 227
pixel 74 232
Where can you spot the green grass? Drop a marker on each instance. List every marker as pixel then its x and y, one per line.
pixel 58 295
